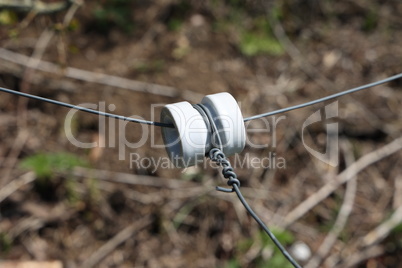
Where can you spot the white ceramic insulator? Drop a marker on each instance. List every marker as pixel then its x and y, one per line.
pixel 189 140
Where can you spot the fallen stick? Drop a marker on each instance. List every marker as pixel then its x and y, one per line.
pixel 383 230
pixel 351 186
pixel 15 184
pixel 100 78
pixel 343 177
pixel 118 239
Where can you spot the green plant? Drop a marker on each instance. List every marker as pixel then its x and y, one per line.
pixel 259 40
pixel 177 16
pixel 253 35
pixel 8 17
pixel 274 258
pixel 5 243
pixel 252 44
pixel 277 259
pixel 233 263
pixel 174 24
pixel 94 192
pixel 44 165
pixel 370 21
pixel 397 229
pixel 72 194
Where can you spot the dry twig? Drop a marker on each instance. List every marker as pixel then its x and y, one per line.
pixel 398 192
pixel 14 185
pixel 119 177
pixel 363 255
pixel 39 50
pixel 118 239
pixel 30 223
pixel 12 156
pixel 368 245
pixel 100 78
pixel 343 177
pixel 382 230
pixel 343 215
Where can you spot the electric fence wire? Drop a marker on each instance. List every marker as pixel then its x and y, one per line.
pixel 330 97
pixel 159 124
pixel 217 155
pixel 83 109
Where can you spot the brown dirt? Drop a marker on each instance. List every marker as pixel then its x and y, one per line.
pixel 334 46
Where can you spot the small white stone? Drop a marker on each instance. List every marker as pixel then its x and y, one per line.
pixel 331 58
pixel 300 251
pixel 197 20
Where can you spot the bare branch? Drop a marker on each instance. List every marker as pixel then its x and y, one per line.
pixel 118 239
pixel 16 184
pixel 12 157
pixel 343 215
pixel 100 78
pixel 119 177
pixel 363 255
pixel 383 230
pixel 343 177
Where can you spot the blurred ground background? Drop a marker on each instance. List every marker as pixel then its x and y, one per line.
pixel 87 208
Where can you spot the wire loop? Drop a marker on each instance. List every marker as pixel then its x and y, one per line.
pixel 216 155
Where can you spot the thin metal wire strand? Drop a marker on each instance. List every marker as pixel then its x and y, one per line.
pixel 330 97
pixel 263 226
pixel 159 124
pixel 217 155
pixel 80 108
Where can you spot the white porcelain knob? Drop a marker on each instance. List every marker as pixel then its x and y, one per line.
pixel 190 139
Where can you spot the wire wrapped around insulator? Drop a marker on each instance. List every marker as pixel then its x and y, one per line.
pixel 216 155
